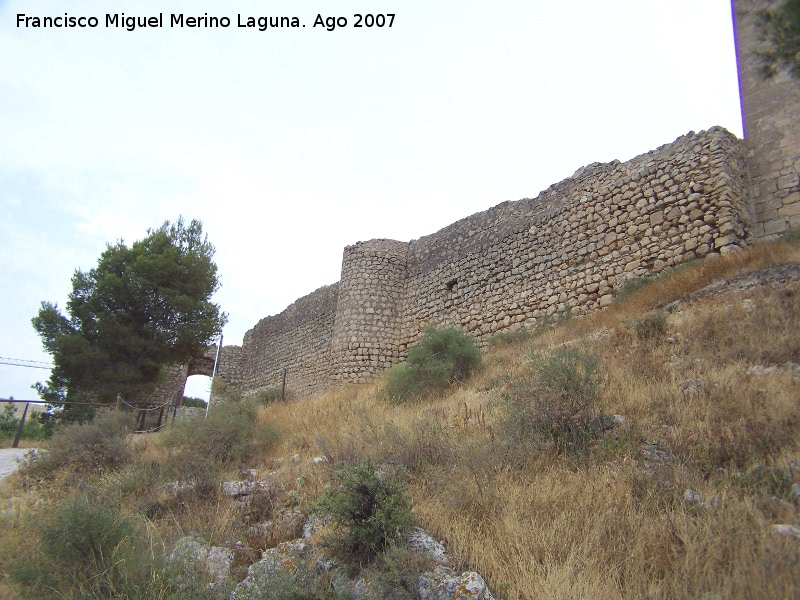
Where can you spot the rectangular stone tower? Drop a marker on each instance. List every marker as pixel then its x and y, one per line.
pixel 771 115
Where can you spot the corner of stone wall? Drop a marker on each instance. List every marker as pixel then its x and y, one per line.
pixel 173 384
pixel 229 368
pixel 729 193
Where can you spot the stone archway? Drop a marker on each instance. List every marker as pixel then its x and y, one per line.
pixel 202 366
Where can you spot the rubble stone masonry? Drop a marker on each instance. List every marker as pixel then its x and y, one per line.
pixel 507 267
pixel 565 251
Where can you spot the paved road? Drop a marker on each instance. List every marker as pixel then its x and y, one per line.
pixel 8 460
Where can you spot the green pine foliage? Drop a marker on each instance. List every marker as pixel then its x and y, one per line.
pixel 143 307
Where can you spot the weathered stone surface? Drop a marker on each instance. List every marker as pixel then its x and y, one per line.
pixel 772 128
pixel 788 530
pixel 602 422
pixel 692 497
pixel 215 560
pixel 263 575
pixel 443 584
pixel 423 544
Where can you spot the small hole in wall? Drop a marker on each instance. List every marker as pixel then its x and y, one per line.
pixel 450 286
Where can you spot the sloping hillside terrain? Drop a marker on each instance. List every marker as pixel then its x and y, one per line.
pixel 648 450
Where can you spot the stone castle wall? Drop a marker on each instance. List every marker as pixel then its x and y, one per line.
pixel 298 340
pixel 506 267
pixel 570 247
pixel 563 251
pixel 230 364
pixel 171 388
pixel 771 110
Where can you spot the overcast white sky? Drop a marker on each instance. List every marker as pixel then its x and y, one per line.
pixel 291 143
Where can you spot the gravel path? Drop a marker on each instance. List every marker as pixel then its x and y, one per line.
pixel 9 460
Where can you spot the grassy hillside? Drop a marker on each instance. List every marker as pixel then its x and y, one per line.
pixel 674 495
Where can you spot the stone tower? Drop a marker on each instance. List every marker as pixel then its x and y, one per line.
pixel 366 331
pixel 771 115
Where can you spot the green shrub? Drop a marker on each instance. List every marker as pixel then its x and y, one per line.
pixel 790 237
pixel 554 402
pixel 631 286
pixel 442 357
pixel 85 448
pixel 82 537
pixel 202 447
pixel 79 553
pixel 370 509
pixel 89 549
pixel 8 420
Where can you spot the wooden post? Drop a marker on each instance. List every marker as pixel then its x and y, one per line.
pixel 144 416
pixel 21 425
pixel 283 386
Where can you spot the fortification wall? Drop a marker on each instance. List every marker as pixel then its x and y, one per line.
pixel 171 387
pixel 230 364
pixel 298 340
pixel 367 329
pixel 568 248
pixel 771 110
pixel 507 267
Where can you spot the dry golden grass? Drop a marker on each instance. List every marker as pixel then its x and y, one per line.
pixel 609 524
pixel 614 526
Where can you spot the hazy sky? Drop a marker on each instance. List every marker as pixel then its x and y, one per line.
pixel 291 143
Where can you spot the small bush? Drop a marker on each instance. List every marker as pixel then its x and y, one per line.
pixel 202 447
pixel 511 338
pixel 555 402
pixel 651 326
pixel 83 537
pixel 98 445
pixel 87 548
pixel 632 286
pixel 8 420
pixel 80 545
pixel 442 358
pixel 790 237
pixel 370 509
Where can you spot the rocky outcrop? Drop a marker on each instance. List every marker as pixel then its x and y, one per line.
pixel 296 563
